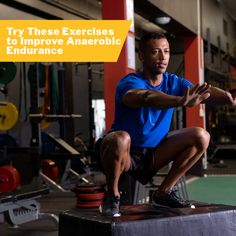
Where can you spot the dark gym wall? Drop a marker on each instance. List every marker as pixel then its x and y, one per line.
pixel 212 12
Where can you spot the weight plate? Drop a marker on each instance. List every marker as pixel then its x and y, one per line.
pixel 44 123
pixel 9 179
pixel 48 163
pixel 100 190
pixel 91 196
pixel 87 187
pixel 8 116
pixel 7 72
pixel 50 169
pixel 92 204
pixel 8 141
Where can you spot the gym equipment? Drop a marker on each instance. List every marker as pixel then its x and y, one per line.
pixel 44 124
pixel 54 89
pixel 24 159
pixel 70 177
pixel 7 140
pixel 4 90
pixel 23 93
pixel 7 72
pixel 50 169
pixel 133 192
pixel 146 219
pixel 41 74
pixel 46 119
pixel 89 195
pixel 22 207
pixel 9 179
pixel 54 116
pixel 221 147
pixel 8 116
pixel 19 205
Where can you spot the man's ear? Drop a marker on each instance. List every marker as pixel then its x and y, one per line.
pixel 141 56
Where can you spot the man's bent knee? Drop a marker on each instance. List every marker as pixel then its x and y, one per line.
pixel 202 137
pixel 115 151
pixel 117 145
pixel 118 140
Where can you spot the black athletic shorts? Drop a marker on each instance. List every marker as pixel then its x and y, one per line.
pixel 141 161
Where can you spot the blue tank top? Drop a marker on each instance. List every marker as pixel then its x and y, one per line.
pixel 146 126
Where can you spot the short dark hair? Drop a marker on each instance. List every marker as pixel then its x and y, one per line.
pixel 150 35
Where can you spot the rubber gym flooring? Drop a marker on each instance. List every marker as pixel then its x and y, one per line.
pixel 219 183
pixel 220 189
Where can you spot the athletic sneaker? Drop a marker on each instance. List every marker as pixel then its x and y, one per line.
pixel 171 200
pixel 110 207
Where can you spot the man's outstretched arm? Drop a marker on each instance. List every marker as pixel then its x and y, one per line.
pixel 220 97
pixel 158 100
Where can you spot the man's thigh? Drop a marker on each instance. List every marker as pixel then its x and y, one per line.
pixel 175 143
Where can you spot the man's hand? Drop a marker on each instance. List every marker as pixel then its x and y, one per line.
pixel 195 95
pixel 231 98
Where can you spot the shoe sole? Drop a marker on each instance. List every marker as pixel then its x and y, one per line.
pixel 163 206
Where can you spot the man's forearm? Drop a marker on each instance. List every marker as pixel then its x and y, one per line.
pixel 218 97
pixel 160 100
pixel 151 98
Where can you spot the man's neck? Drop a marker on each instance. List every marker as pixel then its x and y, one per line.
pixel 154 80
